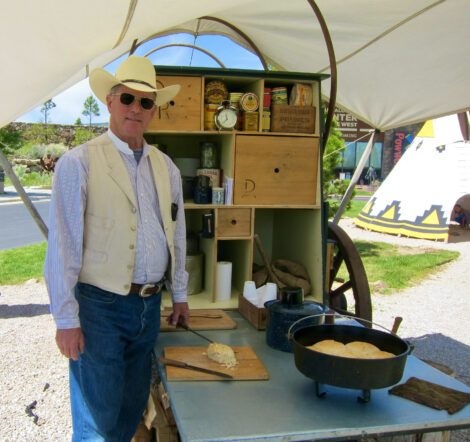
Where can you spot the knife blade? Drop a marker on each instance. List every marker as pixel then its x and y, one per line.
pixel 196 315
pixel 180 324
pixel 182 364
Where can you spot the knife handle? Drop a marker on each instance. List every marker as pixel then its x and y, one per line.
pixel 166 361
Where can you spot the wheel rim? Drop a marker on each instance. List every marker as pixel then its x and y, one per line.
pixel 345 252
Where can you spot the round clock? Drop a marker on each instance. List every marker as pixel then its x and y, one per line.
pixel 226 116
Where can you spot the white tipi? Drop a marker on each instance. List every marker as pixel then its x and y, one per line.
pixel 418 196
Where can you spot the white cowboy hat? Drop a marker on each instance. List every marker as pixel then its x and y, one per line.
pixel 136 73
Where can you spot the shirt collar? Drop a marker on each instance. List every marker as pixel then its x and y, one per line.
pixel 122 146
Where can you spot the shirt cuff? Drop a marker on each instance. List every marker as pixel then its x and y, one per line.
pixel 179 297
pixel 63 324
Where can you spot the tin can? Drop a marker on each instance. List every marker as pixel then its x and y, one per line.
pixel 266 120
pixel 234 98
pixel 218 195
pixel 215 92
pixel 267 97
pixel 250 121
pixel 279 95
pixel 208 155
pixel 209 114
pixel 235 102
pixel 249 102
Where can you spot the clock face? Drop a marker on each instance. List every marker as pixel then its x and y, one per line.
pixel 226 119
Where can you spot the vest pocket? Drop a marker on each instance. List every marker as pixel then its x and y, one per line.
pixel 97 234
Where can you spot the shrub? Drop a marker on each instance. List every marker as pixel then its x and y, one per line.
pixel 36 151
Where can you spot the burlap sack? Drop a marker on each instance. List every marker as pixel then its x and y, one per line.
pixel 292 274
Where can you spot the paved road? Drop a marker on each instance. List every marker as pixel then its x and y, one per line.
pixel 17 227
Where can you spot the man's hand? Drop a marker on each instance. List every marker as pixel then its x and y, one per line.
pixel 180 314
pixel 70 342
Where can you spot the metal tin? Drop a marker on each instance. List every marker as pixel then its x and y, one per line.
pixel 215 92
pixel 266 120
pixel 209 113
pixel 208 155
pixel 279 95
pixel 218 195
pixel 250 121
pixel 249 102
pixel 267 97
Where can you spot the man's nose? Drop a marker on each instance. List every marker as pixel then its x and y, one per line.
pixel 135 105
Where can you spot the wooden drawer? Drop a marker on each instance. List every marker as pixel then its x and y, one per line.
pixel 276 170
pixel 183 113
pixel 233 222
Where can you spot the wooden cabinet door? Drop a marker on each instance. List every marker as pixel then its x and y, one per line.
pixel 183 113
pixel 276 170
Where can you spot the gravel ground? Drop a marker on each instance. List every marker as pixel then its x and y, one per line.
pixel 34 379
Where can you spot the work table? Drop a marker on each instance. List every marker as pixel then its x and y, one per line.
pixel 285 407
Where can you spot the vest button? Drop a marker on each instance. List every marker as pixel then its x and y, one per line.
pixel 129 266
pixel 133 228
pixel 127 286
pixel 131 246
pixel 134 210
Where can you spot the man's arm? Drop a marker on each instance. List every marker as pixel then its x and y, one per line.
pixel 64 248
pixel 179 288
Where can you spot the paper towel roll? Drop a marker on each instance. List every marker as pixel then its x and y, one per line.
pixel 223 281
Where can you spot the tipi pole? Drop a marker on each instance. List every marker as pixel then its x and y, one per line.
pixel 355 178
pixel 24 196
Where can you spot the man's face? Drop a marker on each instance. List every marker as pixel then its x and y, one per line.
pixel 128 122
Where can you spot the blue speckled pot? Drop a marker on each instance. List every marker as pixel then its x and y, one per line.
pixel 284 312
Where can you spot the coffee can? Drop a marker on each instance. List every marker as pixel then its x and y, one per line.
pixel 209 116
pixel 218 195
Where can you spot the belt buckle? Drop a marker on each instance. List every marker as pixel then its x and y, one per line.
pixel 144 288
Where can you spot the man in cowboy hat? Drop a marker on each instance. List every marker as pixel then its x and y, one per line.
pixel 116 237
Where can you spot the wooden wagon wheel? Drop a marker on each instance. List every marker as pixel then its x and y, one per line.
pixel 345 252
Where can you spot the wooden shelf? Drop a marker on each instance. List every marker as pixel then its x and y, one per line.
pixel 284 207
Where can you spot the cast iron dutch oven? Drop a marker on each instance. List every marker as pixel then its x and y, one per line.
pixel 344 372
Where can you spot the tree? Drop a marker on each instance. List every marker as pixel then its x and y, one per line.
pixel 78 122
pixel 11 138
pixel 90 108
pixel 46 108
pixel 333 188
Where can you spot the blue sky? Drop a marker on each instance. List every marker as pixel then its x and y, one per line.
pixel 69 104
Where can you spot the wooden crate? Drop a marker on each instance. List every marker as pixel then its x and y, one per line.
pixel 253 314
pixel 183 113
pixel 293 119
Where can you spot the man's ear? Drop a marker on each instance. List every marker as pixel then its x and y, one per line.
pixel 109 99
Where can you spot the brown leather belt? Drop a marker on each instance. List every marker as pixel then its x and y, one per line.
pixel 146 290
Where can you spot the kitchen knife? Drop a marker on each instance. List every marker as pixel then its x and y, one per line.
pixel 196 315
pixel 181 364
pixel 194 331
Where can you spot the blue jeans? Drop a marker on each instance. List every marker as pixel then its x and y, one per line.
pixel 110 383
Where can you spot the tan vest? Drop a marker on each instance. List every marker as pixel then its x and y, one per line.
pixel 111 218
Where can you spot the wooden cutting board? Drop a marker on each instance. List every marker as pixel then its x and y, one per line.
pixel 201 319
pixel 249 367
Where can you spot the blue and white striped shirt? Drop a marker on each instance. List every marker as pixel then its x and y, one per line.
pixel 64 249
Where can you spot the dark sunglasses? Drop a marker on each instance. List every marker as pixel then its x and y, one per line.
pixel 127 99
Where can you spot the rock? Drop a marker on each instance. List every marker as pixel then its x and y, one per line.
pixel 378 286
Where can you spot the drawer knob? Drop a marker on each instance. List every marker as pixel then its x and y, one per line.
pixel 234 221
pixel 276 170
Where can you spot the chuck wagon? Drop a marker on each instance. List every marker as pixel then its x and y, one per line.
pixel 390 63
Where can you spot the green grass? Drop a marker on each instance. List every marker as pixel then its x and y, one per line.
pixel 32 179
pixel 399 267
pixel 22 263
pixel 363 193
pixel 353 211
